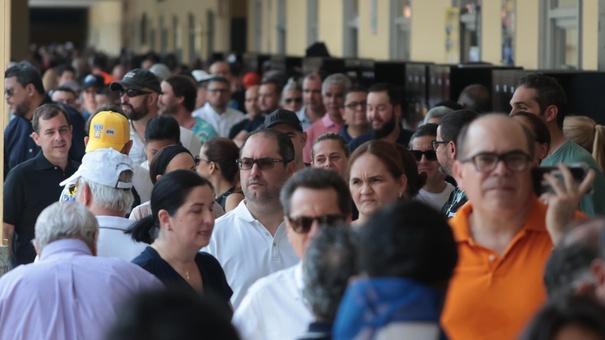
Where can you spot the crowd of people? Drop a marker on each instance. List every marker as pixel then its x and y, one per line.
pixel 147 200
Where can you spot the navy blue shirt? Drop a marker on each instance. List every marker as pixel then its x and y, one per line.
pixel 29 188
pixel 403 139
pixel 247 125
pixel 19 145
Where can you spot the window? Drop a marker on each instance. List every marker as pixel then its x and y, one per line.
pixel 401 25
pixel 351 27
pixel 561 34
pixel 312 22
pixel 194 46
pixel 144 29
pixel 281 26
pixel 470 30
pixel 508 12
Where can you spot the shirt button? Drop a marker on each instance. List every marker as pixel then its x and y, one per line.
pixel 274 245
pixel 31 150
pixel 492 257
pixel 266 234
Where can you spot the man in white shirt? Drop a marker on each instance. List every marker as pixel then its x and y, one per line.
pixel 250 241
pixel 139 91
pixel 103 183
pixel 216 111
pixel 274 307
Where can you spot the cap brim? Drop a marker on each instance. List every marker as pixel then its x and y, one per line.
pixel 120 85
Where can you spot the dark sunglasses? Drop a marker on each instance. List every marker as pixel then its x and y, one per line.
pixel 265 163
pixel 303 224
pixel 297 100
pixel 430 155
pixel 131 93
pixel 9 92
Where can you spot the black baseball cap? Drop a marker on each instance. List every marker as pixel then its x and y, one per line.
pixel 137 79
pixel 94 80
pixel 282 116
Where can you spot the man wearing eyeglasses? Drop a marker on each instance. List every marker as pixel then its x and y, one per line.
pixel 139 91
pixel 502 233
pixel 274 307
pixel 447 150
pixel 216 111
pixel 354 113
pixel 250 241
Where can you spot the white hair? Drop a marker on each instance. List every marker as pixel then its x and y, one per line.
pixel 118 200
pixel 66 220
pixel 335 79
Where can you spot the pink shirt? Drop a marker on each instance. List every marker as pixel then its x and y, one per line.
pixel 325 124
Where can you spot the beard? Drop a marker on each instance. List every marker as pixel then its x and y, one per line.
pixel 386 129
pixel 22 109
pixel 169 109
pixel 135 114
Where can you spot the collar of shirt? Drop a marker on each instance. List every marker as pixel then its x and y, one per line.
pixel 65 247
pixel 302 115
pixel 327 122
pixel 43 163
pixel 462 232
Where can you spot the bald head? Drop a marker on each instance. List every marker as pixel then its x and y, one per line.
pixel 494 127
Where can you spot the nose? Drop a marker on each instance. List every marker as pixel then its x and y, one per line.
pixel 501 167
pixel 255 171
pixel 314 229
pixel 366 188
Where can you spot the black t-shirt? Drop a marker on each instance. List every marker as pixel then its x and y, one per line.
pixel 29 188
pixel 213 276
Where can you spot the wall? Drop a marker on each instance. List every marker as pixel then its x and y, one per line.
pixel 373 45
pixel 590 38
pixel 105 31
pixel 5 56
pixel 296 29
pixel 331 25
pixel 526 34
pixel 428 30
pixel 491 34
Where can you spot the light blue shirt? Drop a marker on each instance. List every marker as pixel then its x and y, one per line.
pixel 68 293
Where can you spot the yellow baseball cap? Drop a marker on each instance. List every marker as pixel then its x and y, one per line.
pixel 108 129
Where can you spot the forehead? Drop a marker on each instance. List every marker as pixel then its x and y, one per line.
pixel 314 201
pixel 353 96
pixel 524 94
pixel 367 163
pixel 292 91
pixel 335 88
pixel 422 141
pixel 267 88
pixel 327 146
pixel 258 146
pixel 252 92
pixel 11 82
pixel 219 67
pixel 54 122
pixel 495 134
pixel 312 83
pixel 62 94
pixel 376 98
pixel 166 86
pixel 217 84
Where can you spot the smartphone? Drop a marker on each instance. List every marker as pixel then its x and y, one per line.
pixel 578 171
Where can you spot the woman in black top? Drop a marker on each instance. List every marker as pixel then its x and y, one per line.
pixel 218 164
pixel 180 225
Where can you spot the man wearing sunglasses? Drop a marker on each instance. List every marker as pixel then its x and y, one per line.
pixel 504 234
pixel 139 91
pixel 250 241
pixel 274 306
pixel 24 92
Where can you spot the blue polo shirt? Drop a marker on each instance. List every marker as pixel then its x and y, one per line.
pixel 29 188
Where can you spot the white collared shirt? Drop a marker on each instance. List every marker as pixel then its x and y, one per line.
pixel 247 251
pixel 221 122
pixel 137 152
pixel 274 307
pixel 112 241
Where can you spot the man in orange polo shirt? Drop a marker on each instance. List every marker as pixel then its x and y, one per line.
pixel 502 237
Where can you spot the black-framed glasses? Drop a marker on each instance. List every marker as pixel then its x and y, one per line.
pixel 488 161
pixel 302 224
pixel 9 92
pixel 435 143
pixel 296 100
pixel 430 155
pixel 354 105
pixel 265 163
pixel 131 93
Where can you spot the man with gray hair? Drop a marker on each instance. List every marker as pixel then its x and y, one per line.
pixel 274 307
pixel 332 90
pixel 330 261
pixel 104 183
pixel 69 293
